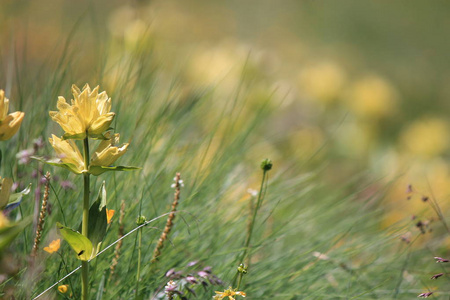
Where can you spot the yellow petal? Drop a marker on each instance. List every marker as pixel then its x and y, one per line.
pixel 63 288
pixel 4 105
pixel 109 215
pixel 53 246
pixel 101 124
pixel 68 152
pixel 87 113
pixel 107 153
pixel 10 125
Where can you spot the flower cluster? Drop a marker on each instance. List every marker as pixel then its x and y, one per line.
pixel 182 283
pixel 88 116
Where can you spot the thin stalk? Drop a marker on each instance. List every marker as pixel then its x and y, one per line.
pixel 85 224
pixel 255 213
pixel 240 280
pixel 138 273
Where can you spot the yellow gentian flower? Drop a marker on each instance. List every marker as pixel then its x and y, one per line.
pixel 107 152
pixel 53 247
pixel 9 124
pixel 63 288
pixel 89 113
pixel 68 153
pixel 230 293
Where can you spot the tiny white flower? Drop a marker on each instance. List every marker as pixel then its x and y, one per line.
pixel 252 192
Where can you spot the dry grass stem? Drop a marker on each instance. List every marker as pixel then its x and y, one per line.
pixel 170 219
pixel 42 214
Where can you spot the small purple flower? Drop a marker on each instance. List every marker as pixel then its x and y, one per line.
pixel 68 185
pixel 170 272
pixel 24 156
pixel 43 180
pixel 425 295
pixel 437 276
pixel 192 263
pixel 202 274
pixel 38 143
pixel 14 186
pixel 207 269
pixel 191 279
pixel 440 259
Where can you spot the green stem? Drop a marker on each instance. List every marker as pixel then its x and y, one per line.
pixel 255 213
pixel 138 274
pixel 240 280
pixel 85 224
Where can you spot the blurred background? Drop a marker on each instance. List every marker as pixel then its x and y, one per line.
pixel 359 88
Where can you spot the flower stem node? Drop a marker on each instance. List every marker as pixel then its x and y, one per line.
pixel 141 220
pixel 242 269
pixel 266 164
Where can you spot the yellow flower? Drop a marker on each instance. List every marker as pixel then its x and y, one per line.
pixel 3 220
pixel 89 113
pixel 53 247
pixel 9 124
pixel 427 137
pixel 372 97
pixel 107 152
pixel 68 153
pixel 109 214
pixel 63 288
pixel 230 293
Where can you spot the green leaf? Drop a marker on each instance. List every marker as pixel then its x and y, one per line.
pixel 56 162
pixel 9 232
pixel 16 198
pixel 98 219
pixel 77 136
pixel 98 136
pixel 97 170
pixel 78 242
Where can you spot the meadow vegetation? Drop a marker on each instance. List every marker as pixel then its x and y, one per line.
pixel 229 179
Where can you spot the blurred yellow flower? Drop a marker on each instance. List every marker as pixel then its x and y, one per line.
pixel 323 82
pixel 230 293
pixel 89 113
pixel 63 288
pixel 109 215
pixel 107 152
pixel 372 96
pixel 68 153
pixel 53 247
pixel 3 220
pixel 427 137
pixel 9 124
